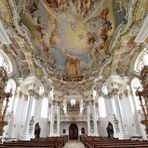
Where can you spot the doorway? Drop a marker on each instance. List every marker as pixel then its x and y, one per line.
pixel 73 131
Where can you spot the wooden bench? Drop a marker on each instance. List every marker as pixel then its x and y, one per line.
pixel 100 142
pixel 50 142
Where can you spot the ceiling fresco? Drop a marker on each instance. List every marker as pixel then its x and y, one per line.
pixel 65 30
pixel 72 42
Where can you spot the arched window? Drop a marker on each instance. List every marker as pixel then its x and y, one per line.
pixel 44 108
pixel 141 60
pixel 5 62
pixel 104 90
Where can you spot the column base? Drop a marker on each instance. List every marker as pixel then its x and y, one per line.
pixel 54 135
pixel 93 134
pixel 27 136
pixel 122 135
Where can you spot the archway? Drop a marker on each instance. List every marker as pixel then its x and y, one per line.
pixel 73 131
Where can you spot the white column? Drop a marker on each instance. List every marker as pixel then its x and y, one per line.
pixel 139 126
pixel 88 120
pixel 16 97
pixel 51 121
pixel 134 112
pixel 122 134
pixel 58 120
pixel 38 107
pixel 95 120
pixel 26 135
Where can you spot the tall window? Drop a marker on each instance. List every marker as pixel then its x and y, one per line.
pixel 141 60
pixel 102 108
pixel 44 109
pixel 33 107
pixel 5 62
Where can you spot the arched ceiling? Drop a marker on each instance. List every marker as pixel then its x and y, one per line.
pixel 73 29
pixel 70 41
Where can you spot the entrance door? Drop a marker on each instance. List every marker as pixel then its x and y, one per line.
pixel 73 131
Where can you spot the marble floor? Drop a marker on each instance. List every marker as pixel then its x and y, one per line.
pixel 74 144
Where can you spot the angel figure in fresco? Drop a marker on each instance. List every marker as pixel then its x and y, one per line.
pixel 104 14
pixel 56 3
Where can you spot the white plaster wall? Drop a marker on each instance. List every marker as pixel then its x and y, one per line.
pixel 43 122
pixel 103 121
pixel 102 126
pixel 66 125
pixel 19 118
pixel 45 127
pixel 128 116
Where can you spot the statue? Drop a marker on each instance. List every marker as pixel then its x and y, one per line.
pixel 55 123
pixel 116 123
pixel 37 130
pixel 92 126
pixel 31 123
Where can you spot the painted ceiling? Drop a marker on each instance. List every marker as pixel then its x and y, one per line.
pixel 72 42
pixel 72 29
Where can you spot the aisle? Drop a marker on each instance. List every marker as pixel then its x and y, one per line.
pixel 74 144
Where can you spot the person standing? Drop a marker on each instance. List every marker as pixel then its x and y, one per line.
pixel 37 130
pixel 110 130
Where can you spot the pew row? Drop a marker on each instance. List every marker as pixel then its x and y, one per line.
pixel 105 142
pixel 50 142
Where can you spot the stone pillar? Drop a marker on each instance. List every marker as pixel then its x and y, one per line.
pixel 134 114
pixel 81 106
pixel 88 119
pixel 16 97
pixel 55 125
pixel 38 107
pixel 58 120
pixel 94 119
pixel 121 134
pixel 139 126
pixel 51 121
pixel 26 135
pixel 65 106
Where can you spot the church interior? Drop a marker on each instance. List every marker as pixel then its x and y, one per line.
pixel 73 73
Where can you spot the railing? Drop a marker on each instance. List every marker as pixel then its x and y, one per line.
pixel 73 117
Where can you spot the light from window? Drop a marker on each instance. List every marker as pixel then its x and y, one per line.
pixel 44 108
pixel 102 109
pixel 5 62
pixel 114 106
pixel 33 107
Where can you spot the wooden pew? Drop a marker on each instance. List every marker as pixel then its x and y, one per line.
pixel 100 142
pixel 50 142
